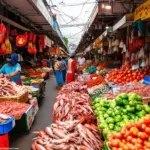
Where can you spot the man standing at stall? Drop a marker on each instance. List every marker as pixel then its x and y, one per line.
pixel 81 60
pixel 71 69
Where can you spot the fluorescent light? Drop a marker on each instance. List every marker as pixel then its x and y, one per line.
pixel 107 27
pixel 107 6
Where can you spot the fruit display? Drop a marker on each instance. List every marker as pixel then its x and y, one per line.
pixel 102 66
pixel 124 75
pixel 134 136
pixel 113 115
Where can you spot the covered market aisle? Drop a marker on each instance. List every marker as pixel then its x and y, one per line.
pixel 43 118
pixel 99 98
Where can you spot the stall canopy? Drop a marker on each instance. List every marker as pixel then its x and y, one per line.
pixel 32 15
pixel 106 17
pixel 124 21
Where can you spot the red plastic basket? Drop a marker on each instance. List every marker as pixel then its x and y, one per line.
pixel 4 141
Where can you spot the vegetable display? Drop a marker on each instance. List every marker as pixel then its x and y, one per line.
pixel 96 81
pixel 124 75
pixel 134 88
pixel 13 108
pixel 69 135
pixel 134 136
pixel 112 115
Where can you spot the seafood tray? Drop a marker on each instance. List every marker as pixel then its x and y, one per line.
pixel 23 98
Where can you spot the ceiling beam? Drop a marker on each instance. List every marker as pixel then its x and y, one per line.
pixel 72 25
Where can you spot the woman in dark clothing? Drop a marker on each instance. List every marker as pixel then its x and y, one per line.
pixel 64 68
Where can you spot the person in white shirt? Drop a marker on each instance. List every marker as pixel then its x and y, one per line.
pixel 81 60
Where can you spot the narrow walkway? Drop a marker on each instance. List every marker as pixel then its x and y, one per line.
pixel 43 118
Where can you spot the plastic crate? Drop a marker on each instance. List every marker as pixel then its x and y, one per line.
pixel 146 80
pixel 24 124
pixel 7 126
pixel 4 142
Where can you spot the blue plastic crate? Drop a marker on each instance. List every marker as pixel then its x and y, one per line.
pixel 36 86
pixel 7 126
pixel 146 80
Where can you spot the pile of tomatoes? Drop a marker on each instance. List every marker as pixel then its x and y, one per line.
pixel 135 136
pixel 126 75
pixel 96 81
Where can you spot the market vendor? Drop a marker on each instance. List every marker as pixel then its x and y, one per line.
pixel 12 69
pixel 71 69
pixel 81 60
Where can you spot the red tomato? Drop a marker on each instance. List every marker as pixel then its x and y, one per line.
pixel 117 135
pixel 138 146
pixel 147 119
pixel 142 135
pixel 147 144
pixel 134 141
pixel 129 138
pixel 110 143
pixel 147 130
pixel 123 130
pixel 134 131
pixel 139 124
pixel 114 148
pixel 139 141
pixel 115 143
pixel 131 146
pixel 143 126
pixel 125 147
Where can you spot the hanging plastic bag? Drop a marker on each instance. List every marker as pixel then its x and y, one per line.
pixel 141 53
pixel 2 32
pixel 135 66
pixel 143 64
pixel 3 49
pixel 121 45
pixel 21 40
pixel 124 49
pixel 8 46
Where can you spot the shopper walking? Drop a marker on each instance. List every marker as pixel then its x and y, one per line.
pixel 71 69
pixel 64 68
pixel 58 71
pixel 12 69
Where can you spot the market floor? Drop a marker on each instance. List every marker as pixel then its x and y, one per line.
pixel 43 118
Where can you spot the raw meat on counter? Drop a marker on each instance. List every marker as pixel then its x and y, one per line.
pixel 69 135
pixel 71 105
pixel 13 108
pixel 74 86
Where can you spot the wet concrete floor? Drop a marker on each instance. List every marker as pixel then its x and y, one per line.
pixel 43 118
